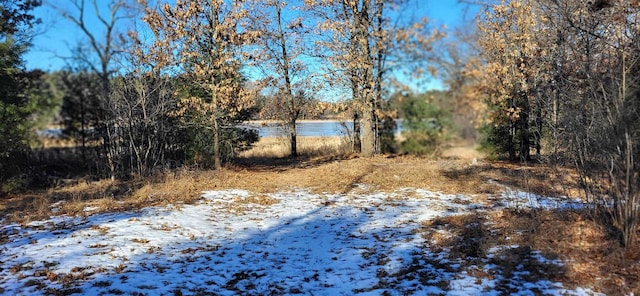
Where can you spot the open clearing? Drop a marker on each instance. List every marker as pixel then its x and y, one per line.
pixel 381 226
pixel 291 242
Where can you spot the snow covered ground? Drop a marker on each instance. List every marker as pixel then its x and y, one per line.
pixel 237 242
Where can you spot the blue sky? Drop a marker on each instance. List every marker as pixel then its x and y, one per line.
pixel 58 34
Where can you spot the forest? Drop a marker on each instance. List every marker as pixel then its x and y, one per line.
pixel 532 144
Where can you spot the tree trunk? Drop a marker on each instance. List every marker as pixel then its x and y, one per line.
pixel 216 145
pixel 525 140
pixel 511 142
pixel 83 133
pixel 292 112
pixel 368 137
pixel 357 144
pixel 539 130
pixel 293 138
pixel 379 77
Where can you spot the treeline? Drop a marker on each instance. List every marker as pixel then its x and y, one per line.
pixel 560 80
pixel 155 85
pixel 139 128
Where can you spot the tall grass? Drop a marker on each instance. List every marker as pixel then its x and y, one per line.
pixel 279 147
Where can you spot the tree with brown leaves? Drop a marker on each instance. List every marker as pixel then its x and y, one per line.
pixel 512 50
pixel 363 48
pixel 203 42
pixel 568 66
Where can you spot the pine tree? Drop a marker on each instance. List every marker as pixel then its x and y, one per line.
pixel 15 102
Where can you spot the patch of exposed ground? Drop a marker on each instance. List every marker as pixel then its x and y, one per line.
pixel 590 256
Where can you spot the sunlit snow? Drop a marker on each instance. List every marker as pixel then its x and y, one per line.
pixel 301 243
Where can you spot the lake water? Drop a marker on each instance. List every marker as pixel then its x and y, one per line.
pixel 304 129
pixel 326 128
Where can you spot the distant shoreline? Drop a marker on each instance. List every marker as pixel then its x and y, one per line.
pixel 272 121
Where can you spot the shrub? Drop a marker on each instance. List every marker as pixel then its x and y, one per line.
pixel 425 125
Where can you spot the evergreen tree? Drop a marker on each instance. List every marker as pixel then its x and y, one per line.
pixel 425 124
pixel 16 103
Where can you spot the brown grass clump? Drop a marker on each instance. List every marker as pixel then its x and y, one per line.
pixel 41 207
pixel 279 147
pixel 591 255
pixel 263 200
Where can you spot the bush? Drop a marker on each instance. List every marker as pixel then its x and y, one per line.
pixel 15 184
pixel 388 129
pixel 425 124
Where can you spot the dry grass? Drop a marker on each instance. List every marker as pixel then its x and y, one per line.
pixel 279 147
pixel 538 179
pixel 61 142
pixel 334 174
pixel 41 207
pixel 56 142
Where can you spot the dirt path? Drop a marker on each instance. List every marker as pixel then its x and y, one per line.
pixel 462 153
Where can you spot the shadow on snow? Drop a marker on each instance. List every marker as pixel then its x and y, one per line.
pixel 331 249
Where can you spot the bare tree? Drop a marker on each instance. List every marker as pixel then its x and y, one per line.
pixel 457 62
pixel 279 54
pixel 144 102
pixel 605 128
pixel 99 55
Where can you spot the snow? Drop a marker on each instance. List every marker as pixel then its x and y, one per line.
pixel 520 199
pixel 302 243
